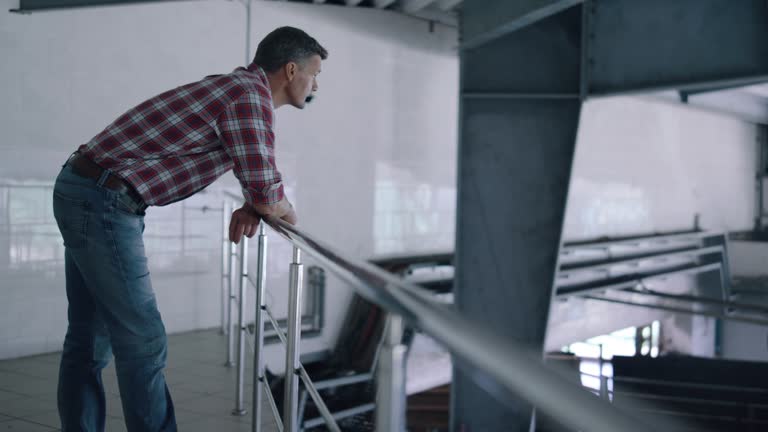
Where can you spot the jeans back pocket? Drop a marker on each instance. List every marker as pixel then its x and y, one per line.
pixel 72 218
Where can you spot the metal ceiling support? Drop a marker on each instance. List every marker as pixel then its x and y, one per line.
pixel 737 103
pixel 520 110
pixel 681 44
pixel 486 21
pixel 33 5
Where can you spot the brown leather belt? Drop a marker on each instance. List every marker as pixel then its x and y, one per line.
pixel 87 168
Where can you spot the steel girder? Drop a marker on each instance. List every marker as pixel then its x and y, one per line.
pixel 682 44
pixel 519 115
pixel 484 21
pixel 636 46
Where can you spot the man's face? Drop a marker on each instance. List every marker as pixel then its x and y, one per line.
pixel 303 85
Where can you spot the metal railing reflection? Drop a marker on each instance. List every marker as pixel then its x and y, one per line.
pixel 502 367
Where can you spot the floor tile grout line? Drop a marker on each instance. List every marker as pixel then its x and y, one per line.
pixel 14 392
pixel 33 422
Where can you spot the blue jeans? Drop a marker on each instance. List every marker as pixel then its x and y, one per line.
pixel 112 309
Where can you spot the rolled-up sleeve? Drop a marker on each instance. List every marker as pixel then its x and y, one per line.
pixel 246 131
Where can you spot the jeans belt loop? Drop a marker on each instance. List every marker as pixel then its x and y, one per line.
pixel 103 178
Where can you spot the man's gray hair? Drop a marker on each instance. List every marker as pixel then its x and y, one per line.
pixel 284 45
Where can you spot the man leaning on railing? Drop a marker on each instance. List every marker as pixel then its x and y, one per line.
pixel 162 151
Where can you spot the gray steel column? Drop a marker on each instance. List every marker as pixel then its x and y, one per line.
pixel 225 213
pixel 519 113
pixel 603 379
pixel 390 378
pixel 290 404
pixel 258 360
pixel 242 330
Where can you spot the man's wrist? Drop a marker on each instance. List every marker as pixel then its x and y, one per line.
pixel 249 209
pixel 277 210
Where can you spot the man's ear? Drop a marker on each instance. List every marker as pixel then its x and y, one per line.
pixel 290 70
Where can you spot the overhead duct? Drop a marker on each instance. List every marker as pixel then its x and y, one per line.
pixel 33 5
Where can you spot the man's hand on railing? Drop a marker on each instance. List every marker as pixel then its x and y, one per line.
pixel 245 220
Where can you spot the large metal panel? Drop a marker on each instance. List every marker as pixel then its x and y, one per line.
pixel 514 173
pixel 656 44
pixel 542 58
pixel 486 20
pixel 519 114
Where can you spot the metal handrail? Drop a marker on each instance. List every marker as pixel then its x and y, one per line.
pixel 725 316
pixel 659 258
pixel 691 400
pixel 663 239
pixel 630 281
pixel 689 385
pixel 501 367
pixel 497 364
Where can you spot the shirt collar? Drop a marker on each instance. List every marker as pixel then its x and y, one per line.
pixel 261 75
pixel 257 70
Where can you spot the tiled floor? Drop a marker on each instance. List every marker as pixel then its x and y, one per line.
pixel 203 389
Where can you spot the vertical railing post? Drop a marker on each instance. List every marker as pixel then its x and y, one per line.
pixel 224 263
pixel 258 356
pixel 290 405
pixel 390 378
pixel 231 301
pixel 603 381
pixel 239 408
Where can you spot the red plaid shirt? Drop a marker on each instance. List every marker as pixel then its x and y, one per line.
pixel 177 143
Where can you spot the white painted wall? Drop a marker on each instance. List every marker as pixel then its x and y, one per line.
pixel 644 166
pixel 370 165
